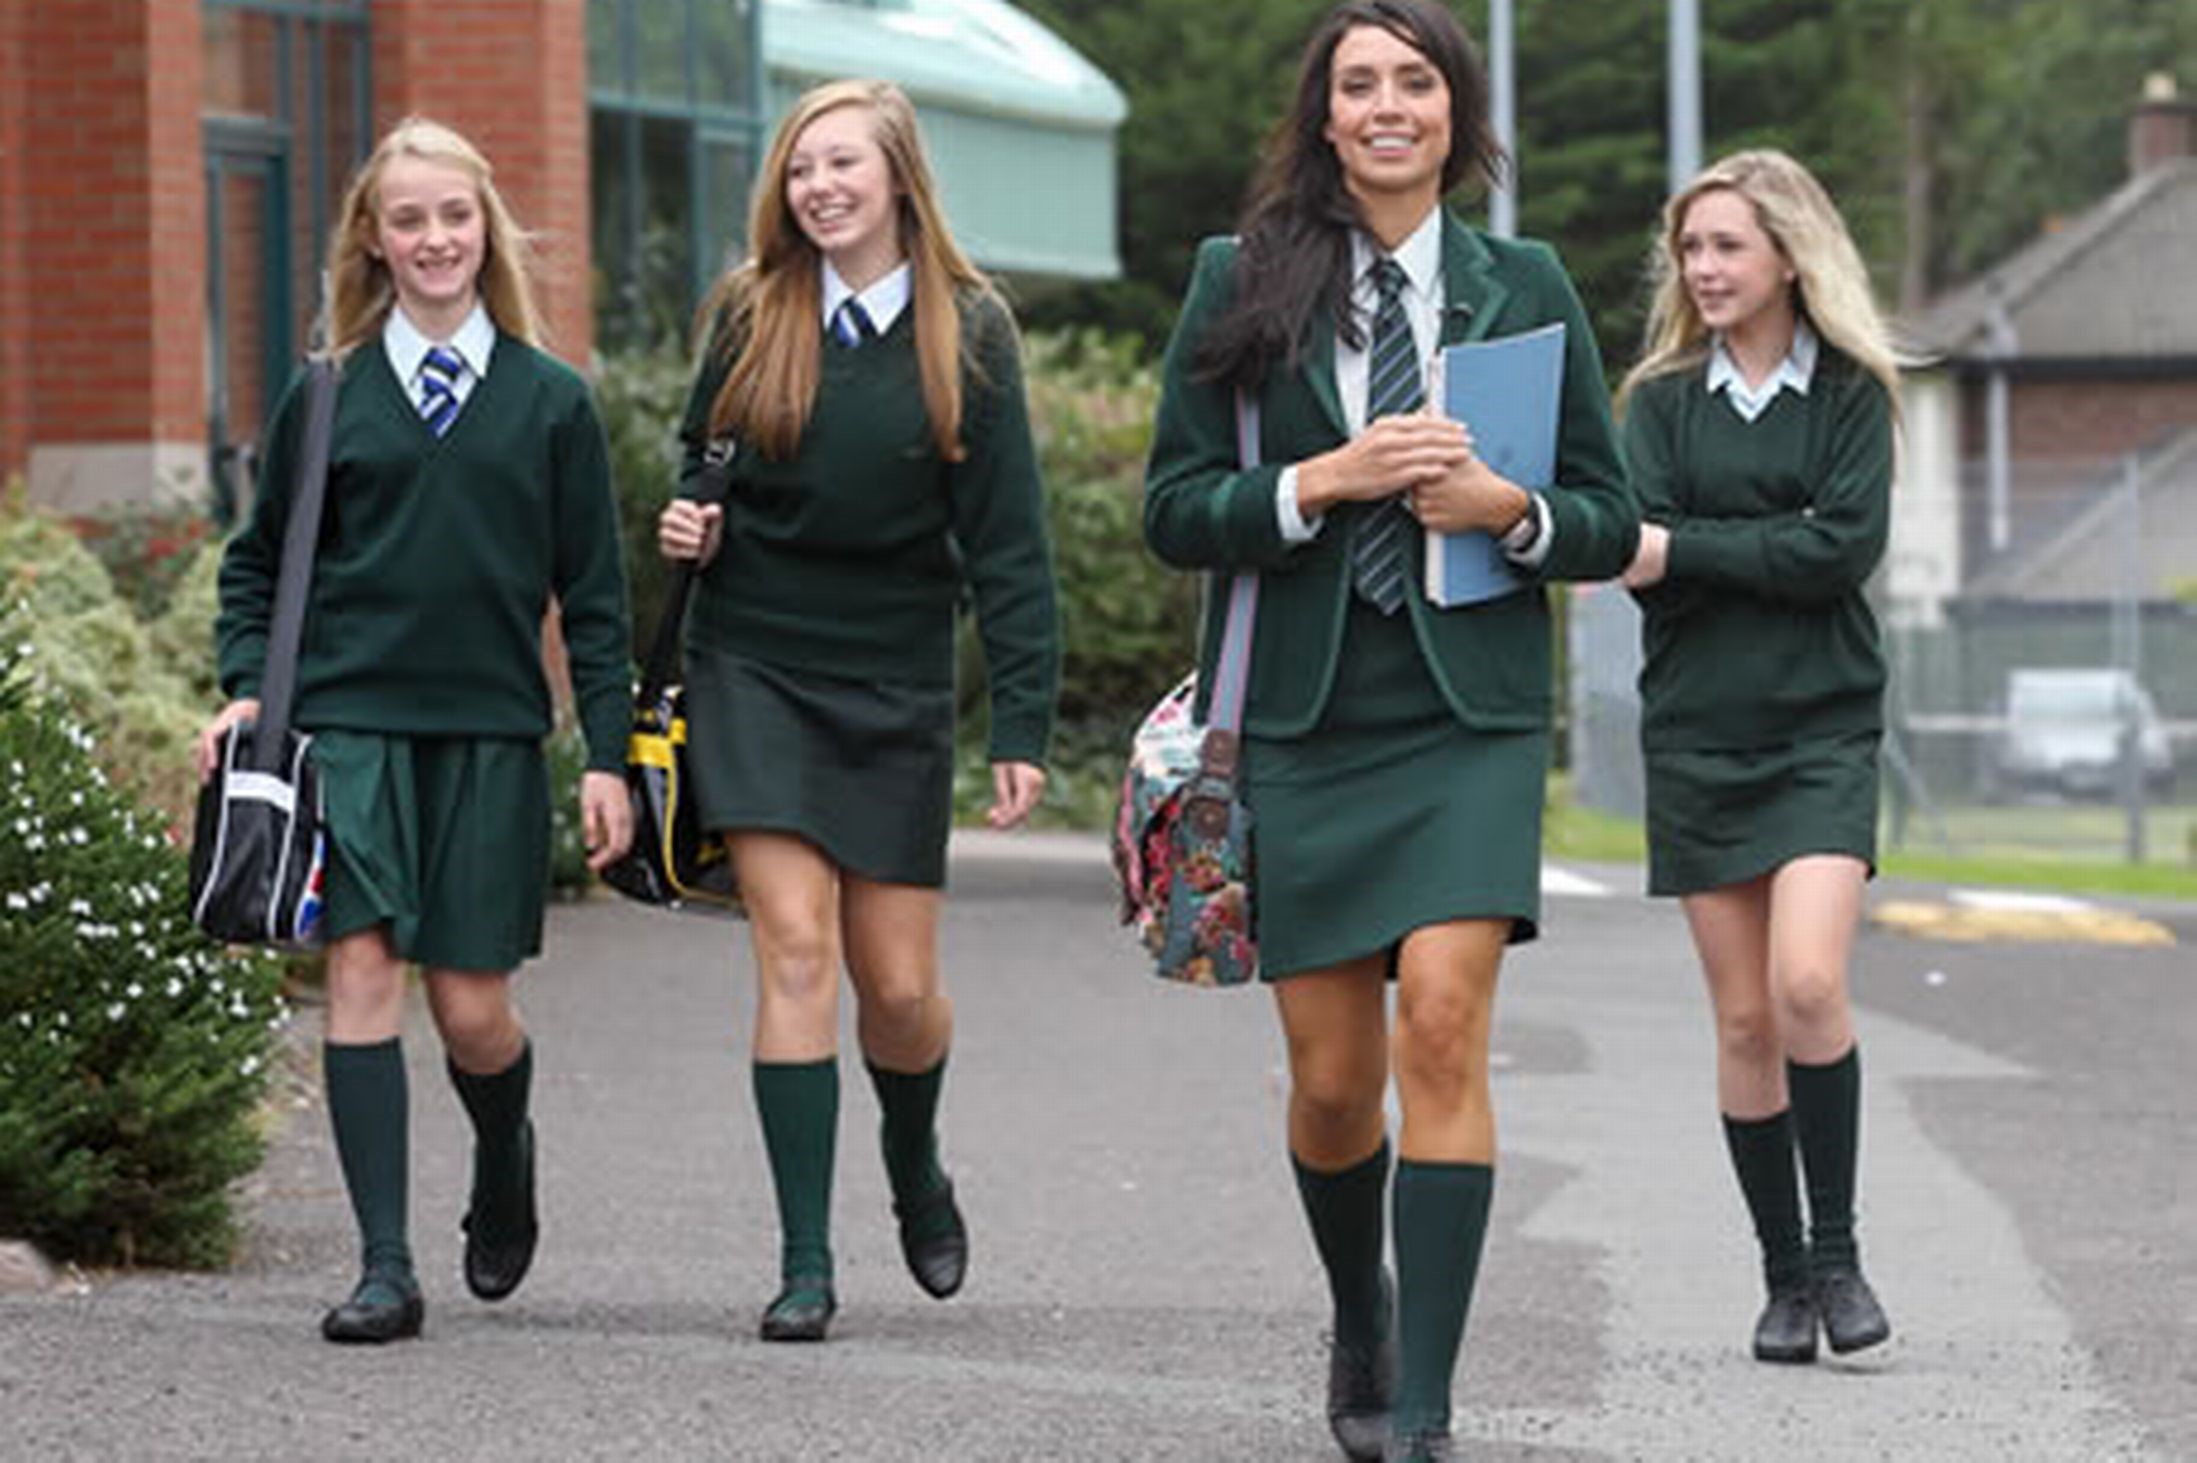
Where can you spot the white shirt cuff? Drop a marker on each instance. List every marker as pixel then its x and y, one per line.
pixel 1296 529
pixel 1536 544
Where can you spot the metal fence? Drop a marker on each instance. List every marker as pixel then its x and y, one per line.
pixel 2049 709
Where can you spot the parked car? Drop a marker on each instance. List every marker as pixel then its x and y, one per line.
pixel 2063 733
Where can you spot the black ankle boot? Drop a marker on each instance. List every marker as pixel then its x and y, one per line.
pixel 1852 1318
pixel 934 1241
pixel 498 1257
pixel 1786 1330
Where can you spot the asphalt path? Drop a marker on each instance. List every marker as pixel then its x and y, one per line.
pixel 1141 1284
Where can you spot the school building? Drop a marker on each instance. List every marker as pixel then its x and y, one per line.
pixel 169 171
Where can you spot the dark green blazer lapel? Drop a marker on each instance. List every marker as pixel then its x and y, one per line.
pixel 1472 293
pixel 1319 369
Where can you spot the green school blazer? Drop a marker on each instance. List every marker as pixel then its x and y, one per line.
pixel 1202 511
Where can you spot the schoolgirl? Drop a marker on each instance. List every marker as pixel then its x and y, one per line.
pixel 468 487
pixel 1394 753
pixel 867 379
pixel 1759 427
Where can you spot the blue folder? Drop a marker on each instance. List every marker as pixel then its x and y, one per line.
pixel 1510 392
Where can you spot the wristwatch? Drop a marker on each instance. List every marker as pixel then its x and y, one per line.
pixel 1521 536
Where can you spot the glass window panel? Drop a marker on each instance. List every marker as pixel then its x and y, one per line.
pixel 241 260
pixel 347 141
pixel 240 51
pixel 660 45
pixel 610 208
pixel 606 70
pixel 724 55
pixel 728 172
pixel 666 273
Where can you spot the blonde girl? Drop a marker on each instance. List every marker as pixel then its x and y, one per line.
pixel 468 487
pixel 1759 429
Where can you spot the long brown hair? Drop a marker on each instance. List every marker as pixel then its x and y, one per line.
pixel 768 310
pixel 1830 285
pixel 360 290
pixel 1294 261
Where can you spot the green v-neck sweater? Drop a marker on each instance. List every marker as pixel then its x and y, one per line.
pixel 851 558
pixel 1760 634
pixel 439 557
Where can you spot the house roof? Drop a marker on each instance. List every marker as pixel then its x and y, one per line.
pixel 2111 284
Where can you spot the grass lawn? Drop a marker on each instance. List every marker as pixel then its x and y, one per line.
pixel 2063 848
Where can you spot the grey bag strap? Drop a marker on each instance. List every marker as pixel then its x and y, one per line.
pixel 294 577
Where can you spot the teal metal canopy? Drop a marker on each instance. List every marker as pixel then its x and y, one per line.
pixel 1019 126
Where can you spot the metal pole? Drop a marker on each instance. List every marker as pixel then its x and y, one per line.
pixel 2127 615
pixel 1685 98
pixel 2002 344
pixel 1503 114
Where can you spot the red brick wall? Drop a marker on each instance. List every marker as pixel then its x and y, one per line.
pixel 113 220
pixel 102 191
pixel 512 76
pixel 2083 419
pixel 16 420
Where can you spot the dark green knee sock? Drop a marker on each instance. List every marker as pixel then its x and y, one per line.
pixel 1827 1118
pixel 1441 1224
pixel 909 1128
pixel 799 1105
pixel 1769 1180
pixel 1345 1209
pixel 497 1104
pixel 369 1108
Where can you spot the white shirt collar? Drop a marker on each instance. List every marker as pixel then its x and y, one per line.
pixel 1795 371
pixel 407 346
pixel 883 301
pixel 1420 256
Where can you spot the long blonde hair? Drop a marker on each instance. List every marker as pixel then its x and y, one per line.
pixel 772 305
pixel 1831 285
pixel 360 290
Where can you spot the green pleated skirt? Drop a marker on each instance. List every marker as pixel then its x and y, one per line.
pixel 1390 815
pixel 443 839
pixel 1725 817
pixel 862 769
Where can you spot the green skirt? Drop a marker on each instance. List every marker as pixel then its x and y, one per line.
pixel 1390 815
pixel 862 769
pixel 1722 818
pixel 443 839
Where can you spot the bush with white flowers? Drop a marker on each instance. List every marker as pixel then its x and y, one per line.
pixel 133 1051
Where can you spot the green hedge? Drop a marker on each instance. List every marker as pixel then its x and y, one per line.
pixel 133 1051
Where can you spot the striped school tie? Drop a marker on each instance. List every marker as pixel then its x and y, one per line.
pixel 1380 551
pixel 851 324
pixel 439 371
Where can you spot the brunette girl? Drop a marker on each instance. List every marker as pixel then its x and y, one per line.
pixel 1394 753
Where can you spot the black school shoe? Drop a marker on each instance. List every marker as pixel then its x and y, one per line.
pixel 934 1241
pixel 802 1311
pixel 1360 1386
pixel 1852 1318
pixel 1786 1330
pixel 1428 1447
pixel 382 1307
pixel 494 1263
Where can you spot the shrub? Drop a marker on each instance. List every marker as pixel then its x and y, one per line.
pixel 569 875
pixel 146 550
pixel 91 653
pixel 641 395
pixel 133 1051
pixel 1129 623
